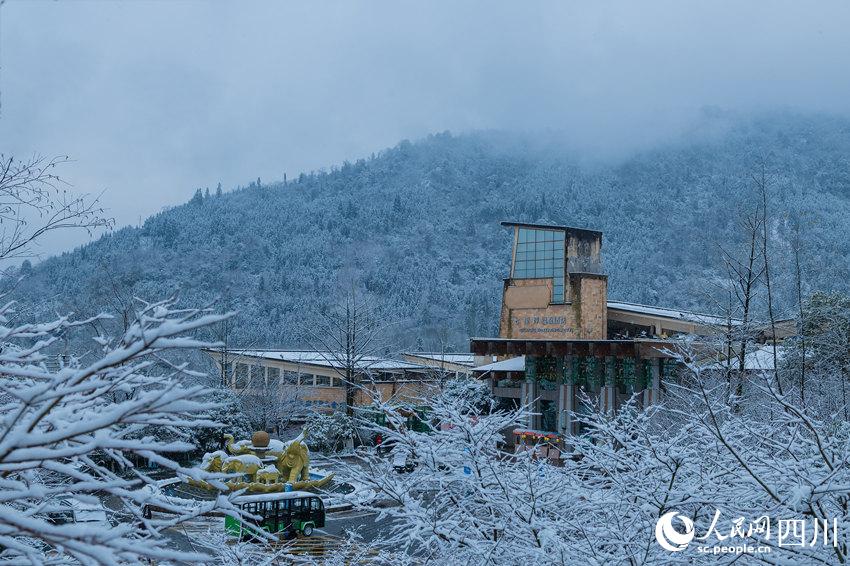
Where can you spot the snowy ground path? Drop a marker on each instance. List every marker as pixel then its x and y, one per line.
pixel 325 541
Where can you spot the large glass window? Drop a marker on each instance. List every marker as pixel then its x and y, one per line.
pixel 539 255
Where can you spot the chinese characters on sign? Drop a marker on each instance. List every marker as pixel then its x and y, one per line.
pixel 541 324
pixel 789 532
pixel 739 534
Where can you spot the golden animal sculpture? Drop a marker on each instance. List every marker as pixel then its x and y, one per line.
pixel 213 460
pixel 268 475
pixel 245 464
pixel 241 447
pixel 292 465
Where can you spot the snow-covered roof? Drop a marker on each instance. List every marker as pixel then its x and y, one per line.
pixel 762 358
pixel 758 358
pixel 327 359
pixel 673 314
pixel 512 364
pixel 453 358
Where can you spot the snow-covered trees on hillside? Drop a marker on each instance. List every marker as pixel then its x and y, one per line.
pixel 426 246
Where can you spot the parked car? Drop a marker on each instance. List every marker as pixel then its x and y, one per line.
pixel 90 514
pixel 68 510
pixel 404 461
pixel 385 447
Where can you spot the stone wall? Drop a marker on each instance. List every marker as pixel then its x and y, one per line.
pixel 527 311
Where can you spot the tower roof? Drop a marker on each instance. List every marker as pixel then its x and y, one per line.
pixel 570 229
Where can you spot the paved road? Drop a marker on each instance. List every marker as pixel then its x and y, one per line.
pixel 330 539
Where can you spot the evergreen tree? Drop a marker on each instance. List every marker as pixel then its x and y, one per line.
pixel 198 198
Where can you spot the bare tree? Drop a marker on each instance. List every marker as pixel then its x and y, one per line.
pixel 222 333
pixel 349 337
pixel 33 202
pixel 760 179
pixel 796 245
pixel 64 431
pixel 228 355
pixel 823 346
pixel 271 405
pixel 117 294
pixel 744 277
pixel 62 435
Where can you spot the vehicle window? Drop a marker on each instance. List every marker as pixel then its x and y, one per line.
pixel 297 504
pixel 316 504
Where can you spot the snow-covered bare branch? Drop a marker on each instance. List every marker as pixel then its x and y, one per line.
pixel 70 437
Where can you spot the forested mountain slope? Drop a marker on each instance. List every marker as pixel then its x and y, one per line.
pixel 416 229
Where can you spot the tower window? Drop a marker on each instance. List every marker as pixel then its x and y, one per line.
pixel 540 255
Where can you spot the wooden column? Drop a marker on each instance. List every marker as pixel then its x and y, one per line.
pixel 610 381
pixel 528 393
pixel 566 399
pixel 647 387
pixel 656 380
pixel 652 393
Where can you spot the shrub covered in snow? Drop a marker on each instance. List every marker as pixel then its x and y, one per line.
pixel 474 392
pixel 229 415
pixel 329 432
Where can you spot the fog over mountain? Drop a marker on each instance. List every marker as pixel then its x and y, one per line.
pixel 149 98
pixel 415 229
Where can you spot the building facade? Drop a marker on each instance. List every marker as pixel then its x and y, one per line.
pixel 560 339
pixel 317 379
pixel 556 289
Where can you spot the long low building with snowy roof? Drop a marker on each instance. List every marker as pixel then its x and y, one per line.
pixel 318 378
pixel 457 363
pixel 635 320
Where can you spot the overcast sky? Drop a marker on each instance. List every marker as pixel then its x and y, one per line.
pixel 153 99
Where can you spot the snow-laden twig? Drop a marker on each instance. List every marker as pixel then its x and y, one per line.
pixel 69 435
